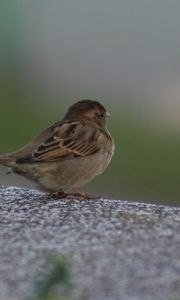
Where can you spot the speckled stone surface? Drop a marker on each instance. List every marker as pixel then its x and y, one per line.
pixel 118 250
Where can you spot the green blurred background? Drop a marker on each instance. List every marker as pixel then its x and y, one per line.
pixel 124 54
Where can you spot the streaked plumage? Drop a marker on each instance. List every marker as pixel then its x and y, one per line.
pixel 69 153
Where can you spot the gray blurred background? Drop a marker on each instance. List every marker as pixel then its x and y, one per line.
pixel 124 54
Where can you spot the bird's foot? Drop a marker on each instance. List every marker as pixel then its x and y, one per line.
pixel 60 195
pixel 82 195
pixel 78 194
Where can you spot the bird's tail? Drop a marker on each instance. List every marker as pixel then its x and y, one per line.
pixel 7 160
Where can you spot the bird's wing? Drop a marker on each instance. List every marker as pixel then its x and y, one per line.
pixel 68 139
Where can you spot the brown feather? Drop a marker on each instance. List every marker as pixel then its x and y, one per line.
pixel 69 138
pixel 7 160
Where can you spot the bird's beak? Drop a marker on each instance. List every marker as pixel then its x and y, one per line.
pixel 107 115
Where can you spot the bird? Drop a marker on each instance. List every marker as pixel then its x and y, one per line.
pixel 68 154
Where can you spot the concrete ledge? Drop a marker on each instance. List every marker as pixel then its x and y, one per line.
pixel 119 250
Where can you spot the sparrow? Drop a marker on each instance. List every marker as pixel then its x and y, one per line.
pixel 68 154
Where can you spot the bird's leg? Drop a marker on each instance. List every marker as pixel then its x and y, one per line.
pixel 83 195
pixel 60 195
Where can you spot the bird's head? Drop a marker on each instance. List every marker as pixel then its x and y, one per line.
pixel 88 109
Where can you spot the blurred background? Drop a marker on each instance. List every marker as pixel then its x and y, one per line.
pixel 124 54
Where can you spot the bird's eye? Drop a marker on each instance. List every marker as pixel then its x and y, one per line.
pixel 104 115
pixel 101 115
